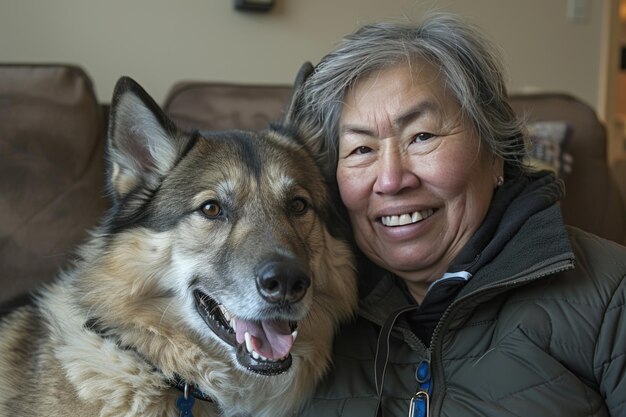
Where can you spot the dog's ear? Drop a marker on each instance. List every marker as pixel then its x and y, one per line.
pixel 294 105
pixel 298 119
pixel 143 144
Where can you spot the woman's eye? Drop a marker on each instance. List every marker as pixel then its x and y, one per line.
pixel 211 209
pixel 361 150
pixel 298 206
pixel 423 136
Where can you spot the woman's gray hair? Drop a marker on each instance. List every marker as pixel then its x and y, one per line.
pixel 469 64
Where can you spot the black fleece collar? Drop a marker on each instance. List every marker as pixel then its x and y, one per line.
pixel 512 205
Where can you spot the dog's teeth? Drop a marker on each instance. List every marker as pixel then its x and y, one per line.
pixel 294 335
pixel 233 324
pixel 256 355
pixel 249 343
pixel 202 302
pixel 225 313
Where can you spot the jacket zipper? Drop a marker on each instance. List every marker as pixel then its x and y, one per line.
pixel 560 266
pixel 420 403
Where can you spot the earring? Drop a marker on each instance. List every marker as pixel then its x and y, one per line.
pixel 500 181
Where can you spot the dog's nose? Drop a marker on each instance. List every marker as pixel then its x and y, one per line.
pixel 282 280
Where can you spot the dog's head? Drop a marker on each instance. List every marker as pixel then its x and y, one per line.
pixel 226 235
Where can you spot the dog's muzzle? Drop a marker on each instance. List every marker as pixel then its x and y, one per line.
pixel 262 346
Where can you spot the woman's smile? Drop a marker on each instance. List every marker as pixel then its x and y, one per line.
pixel 406 218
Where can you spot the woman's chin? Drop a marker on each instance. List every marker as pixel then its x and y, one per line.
pixel 408 260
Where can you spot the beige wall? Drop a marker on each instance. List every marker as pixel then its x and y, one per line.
pixel 159 42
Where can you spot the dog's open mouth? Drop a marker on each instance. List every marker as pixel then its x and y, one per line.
pixel 263 346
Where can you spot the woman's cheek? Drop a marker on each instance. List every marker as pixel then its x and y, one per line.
pixel 351 187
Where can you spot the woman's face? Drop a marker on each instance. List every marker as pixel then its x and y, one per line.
pixel 412 173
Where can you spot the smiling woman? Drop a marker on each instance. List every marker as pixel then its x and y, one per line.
pixel 463 254
pixel 414 179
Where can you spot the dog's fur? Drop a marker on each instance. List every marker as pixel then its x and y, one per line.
pixel 217 212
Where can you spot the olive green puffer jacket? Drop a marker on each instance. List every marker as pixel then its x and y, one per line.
pixel 538 331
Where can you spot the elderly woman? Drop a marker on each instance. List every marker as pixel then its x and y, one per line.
pixel 476 299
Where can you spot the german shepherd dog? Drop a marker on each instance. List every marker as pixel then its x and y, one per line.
pixel 219 250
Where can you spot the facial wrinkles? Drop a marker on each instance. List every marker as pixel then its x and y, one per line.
pixel 371 123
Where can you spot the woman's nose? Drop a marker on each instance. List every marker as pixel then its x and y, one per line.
pixel 393 172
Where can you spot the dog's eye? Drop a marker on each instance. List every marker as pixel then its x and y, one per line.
pixel 211 209
pixel 299 206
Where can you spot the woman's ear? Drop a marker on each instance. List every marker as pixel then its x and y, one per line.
pixel 498 170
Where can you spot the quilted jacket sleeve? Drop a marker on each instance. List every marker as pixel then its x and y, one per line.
pixel 610 355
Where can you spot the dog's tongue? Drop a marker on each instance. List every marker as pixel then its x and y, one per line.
pixel 270 338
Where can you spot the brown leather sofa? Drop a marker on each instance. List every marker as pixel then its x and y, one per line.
pixel 593 200
pixel 51 171
pixel 52 187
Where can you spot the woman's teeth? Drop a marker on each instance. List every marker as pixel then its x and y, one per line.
pixel 405 219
